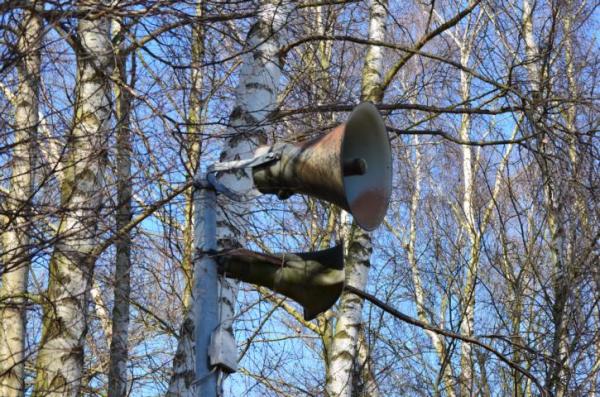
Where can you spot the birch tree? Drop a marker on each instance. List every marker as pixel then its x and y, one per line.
pixel 411 245
pixel 537 68
pixel 60 358
pixel 16 236
pixel 344 350
pixel 470 226
pixel 117 375
pixel 255 99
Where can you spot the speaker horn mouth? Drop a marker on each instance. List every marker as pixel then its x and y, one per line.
pixel 366 147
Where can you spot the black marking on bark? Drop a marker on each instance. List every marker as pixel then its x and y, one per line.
pixel 236 112
pixel 258 54
pixel 229 244
pixel 260 86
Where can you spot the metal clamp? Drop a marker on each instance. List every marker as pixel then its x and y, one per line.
pixel 262 155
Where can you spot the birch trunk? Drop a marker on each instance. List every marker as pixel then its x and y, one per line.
pixel 560 283
pixel 318 64
pixel 60 357
pixel 582 218
pixel 15 257
pixel 256 96
pixel 344 351
pixel 256 99
pixel 365 383
pixel 117 375
pixel 468 308
pixel 184 362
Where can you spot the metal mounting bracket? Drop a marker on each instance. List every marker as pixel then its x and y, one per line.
pixel 262 155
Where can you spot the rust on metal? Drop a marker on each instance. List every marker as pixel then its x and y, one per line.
pixel 351 167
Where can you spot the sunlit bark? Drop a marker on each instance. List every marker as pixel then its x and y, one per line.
pixel 60 358
pixel 255 99
pixel 15 257
pixel 344 346
pixel 471 228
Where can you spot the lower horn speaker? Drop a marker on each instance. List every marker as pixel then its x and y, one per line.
pixel 314 279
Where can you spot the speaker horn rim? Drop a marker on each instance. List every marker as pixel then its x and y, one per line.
pixel 371 221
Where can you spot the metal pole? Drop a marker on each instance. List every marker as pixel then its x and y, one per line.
pixel 205 285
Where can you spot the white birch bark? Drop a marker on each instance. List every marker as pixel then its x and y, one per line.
pixel 60 357
pixel 15 239
pixel 256 97
pixel 343 351
pixel 117 374
pixel 468 308
pixel 364 375
pixel 101 312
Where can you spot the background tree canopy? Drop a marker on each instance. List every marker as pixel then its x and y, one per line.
pixel 482 281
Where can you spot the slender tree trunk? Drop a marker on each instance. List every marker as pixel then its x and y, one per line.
pixel 468 308
pixel 16 241
pixel 556 230
pixel 60 357
pixel 344 351
pixel 472 230
pixel 184 361
pixel 256 97
pixel 318 64
pixel 117 375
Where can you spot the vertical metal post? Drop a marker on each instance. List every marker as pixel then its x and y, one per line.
pixel 205 285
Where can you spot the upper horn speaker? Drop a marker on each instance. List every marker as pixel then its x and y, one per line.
pixel 351 166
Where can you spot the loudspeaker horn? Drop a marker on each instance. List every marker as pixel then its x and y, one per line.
pixel 315 279
pixel 351 166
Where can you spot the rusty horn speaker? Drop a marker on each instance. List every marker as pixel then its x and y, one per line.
pixel 351 166
pixel 314 279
